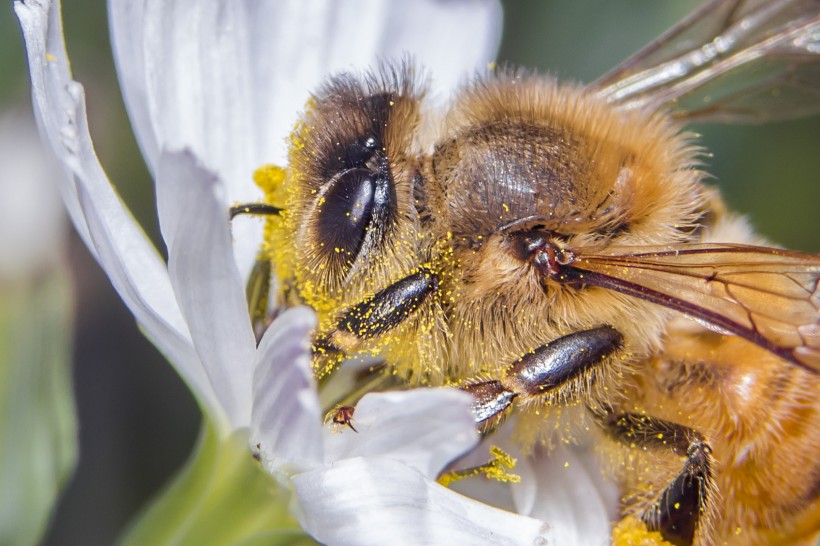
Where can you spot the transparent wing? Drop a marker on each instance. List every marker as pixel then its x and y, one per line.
pixel 770 297
pixel 732 61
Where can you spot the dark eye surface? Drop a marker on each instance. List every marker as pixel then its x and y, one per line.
pixel 357 154
pixel 347 211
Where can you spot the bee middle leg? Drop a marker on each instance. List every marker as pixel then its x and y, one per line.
pixel 541 371
pixel 680 506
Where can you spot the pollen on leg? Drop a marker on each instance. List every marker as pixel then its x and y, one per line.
pixel 497 468
pixel 632 531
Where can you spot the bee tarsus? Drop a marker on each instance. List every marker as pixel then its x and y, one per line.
pixel 679 508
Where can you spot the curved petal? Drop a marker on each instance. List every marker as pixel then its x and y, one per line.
pixel 205 279
pixel 296 44
pixel 228 78
pixel 422 428
pixel 185 70
pixel 380 501
pixel 557 486
pixel 286 416
pixel 129 259
pixel 247 67
pixel 178 350
pixel 450 39
pixel 126 22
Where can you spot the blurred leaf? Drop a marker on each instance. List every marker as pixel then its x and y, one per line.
pixel 222 496
pixel 38 430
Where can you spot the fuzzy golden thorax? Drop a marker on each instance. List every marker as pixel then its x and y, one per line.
pixel 525 153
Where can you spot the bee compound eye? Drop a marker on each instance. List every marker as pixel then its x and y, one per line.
pixel 347 209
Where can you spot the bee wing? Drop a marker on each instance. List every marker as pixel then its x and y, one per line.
pixel 730 61
pixel 768 296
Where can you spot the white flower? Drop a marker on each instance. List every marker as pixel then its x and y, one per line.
pixel 213 89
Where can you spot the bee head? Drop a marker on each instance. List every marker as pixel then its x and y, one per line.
pixel 350 224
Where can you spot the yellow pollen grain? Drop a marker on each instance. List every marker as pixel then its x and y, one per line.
pixel 631 531
pixel 270 179
pixel 495 469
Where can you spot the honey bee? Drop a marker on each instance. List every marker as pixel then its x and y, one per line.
pixel 546 244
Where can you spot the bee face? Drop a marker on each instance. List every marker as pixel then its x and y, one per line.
pixel 350 184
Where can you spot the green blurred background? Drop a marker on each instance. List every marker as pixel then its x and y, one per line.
pixel 137 420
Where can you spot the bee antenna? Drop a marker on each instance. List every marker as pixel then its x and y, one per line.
pixel 258 209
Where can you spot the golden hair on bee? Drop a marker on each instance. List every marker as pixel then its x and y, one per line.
pixel 550 244
pixel 523 148
pixel 351 225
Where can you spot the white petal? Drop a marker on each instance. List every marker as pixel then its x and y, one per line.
pixel 247 67
pixel 178 350
pixel 423 428
pixel 126 20
pixel 206 282
pixel 185 71
pixel 557 486
pixel 450 39
pixel 380 501
pixel 228 78
pixel 564 485
pixel 297 44
pixel 490 491
pixel 129 259
pixel 286 419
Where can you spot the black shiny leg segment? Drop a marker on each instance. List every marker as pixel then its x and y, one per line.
pixel 253 209
pixel 678 509
pixel 382 312
pixel 257 292
pixel 542 371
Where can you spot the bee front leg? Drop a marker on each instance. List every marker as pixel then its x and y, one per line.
pixel 378 314
pixel 537 373
pixel 679 507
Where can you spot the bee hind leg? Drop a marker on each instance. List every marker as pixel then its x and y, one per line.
pixel 679 508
